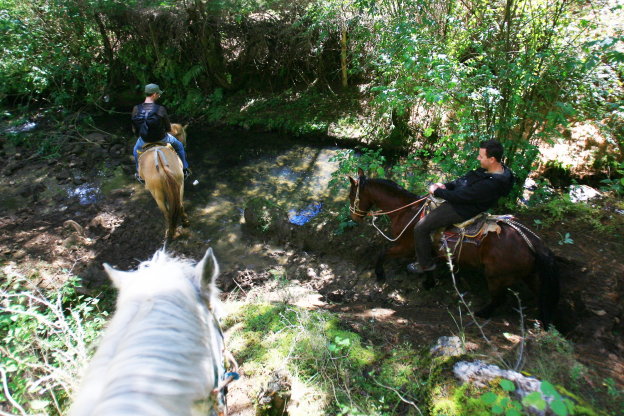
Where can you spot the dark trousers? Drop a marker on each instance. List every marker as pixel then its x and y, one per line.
pixel 440 217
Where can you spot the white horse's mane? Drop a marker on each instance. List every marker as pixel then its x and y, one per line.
pixel 162 350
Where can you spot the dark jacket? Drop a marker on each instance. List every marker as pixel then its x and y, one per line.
pixel 477 191
pixel 146 108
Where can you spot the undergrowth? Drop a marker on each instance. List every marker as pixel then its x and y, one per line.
pixel 306 112
pixel 337 368
pixel 45 339
pixel 601 216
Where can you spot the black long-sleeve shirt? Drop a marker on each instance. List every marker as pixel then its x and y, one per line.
pixel 477 191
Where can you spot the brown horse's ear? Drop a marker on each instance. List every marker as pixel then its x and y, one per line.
pixel 353 181
pixel 360 172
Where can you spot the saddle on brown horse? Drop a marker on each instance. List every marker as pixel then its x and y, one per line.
pixel 473 230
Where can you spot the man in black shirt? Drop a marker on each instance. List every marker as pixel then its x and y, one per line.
pixel 465 197
pixel 141 111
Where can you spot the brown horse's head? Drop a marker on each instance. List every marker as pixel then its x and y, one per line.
pixel 179 132
pixel 359 203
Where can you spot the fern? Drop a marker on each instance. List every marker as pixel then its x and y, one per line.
pixel 191 74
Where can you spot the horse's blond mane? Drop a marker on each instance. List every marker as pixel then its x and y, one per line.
pixel 162 350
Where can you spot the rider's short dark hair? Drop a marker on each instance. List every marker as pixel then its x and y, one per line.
pixel 493 148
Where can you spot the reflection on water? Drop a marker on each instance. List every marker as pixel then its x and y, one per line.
pixel 26 127
pixel 305 215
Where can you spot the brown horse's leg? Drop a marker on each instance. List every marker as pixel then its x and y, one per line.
pixel 497 298
pixel 399 250
pixel 379 269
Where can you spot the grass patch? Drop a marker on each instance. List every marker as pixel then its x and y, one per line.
pixel 332 364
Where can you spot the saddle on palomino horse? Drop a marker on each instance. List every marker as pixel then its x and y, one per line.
pixel 151 145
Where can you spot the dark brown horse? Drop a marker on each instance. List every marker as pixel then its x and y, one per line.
pixel 504 258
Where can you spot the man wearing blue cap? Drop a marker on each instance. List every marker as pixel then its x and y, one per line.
pixel 150 122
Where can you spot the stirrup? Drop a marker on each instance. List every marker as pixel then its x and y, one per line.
pixel 418 269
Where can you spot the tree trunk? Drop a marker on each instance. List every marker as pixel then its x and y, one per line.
pixel 343 53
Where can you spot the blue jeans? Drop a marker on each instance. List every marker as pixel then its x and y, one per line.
pixel 177 146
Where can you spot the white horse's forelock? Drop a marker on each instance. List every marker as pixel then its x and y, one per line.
pixel 161 351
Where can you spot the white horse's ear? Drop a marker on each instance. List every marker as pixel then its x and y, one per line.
pixel 116 276
pixel 207 270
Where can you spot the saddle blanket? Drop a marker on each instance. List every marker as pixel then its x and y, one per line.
pixel 473 230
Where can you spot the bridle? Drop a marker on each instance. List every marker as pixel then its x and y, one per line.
pixel 355 209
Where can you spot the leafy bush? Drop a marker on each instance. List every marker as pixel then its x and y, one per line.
pixel 45 343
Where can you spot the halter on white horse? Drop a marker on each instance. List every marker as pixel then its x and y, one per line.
pixel 162 353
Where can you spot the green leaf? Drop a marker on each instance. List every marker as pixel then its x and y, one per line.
pixel 428 131
pixel 547 388
pixel 39 404
pixel 497 409
pixel 534 399
pixel 489 398
pixel 380 171
pixel 345 342
pixel 559 408
pixel 507 385
pixel 512 412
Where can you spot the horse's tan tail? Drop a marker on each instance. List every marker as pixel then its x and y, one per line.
pixel 171 190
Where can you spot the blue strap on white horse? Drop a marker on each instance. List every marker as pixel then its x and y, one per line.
pixel 235 376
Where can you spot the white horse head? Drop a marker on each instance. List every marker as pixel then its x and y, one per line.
pixel 162 353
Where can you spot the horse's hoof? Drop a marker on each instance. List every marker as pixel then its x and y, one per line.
pixel 380 275
pixel 429 284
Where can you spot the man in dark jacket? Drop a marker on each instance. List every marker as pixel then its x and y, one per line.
pixel 141 111
pixel 465 197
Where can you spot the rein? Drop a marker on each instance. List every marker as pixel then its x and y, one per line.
pixel 408 224
pixel 361 213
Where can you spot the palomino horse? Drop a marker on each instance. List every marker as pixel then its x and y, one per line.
pixel 163 350
pixel 179 131
pixel 161 169
pixel 505 258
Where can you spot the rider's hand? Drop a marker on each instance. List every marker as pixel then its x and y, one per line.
pixel 435 186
